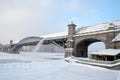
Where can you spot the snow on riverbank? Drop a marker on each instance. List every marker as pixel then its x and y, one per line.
pixel 44 68
pixel 29 57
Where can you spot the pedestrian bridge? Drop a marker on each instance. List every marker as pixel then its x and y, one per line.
pixel 29 41
pixel 14 48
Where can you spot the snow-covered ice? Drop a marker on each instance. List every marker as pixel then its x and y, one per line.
pixel 43 66
pixel 30 57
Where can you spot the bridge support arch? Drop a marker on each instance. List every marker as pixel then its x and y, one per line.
pixel 81 48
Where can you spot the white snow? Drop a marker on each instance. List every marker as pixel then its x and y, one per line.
pixel 117 38
pixel 30 56
pixel 107 52
pixel 96 46
pixel 44 68
pixel 52 47
pixel 38 46
pixel 71 40
pixel 99 27
pixel 69 49
pixel 54 35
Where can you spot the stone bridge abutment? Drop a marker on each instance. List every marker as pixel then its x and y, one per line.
pixel 80 42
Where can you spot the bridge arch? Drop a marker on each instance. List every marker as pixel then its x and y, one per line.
pixel 30 39
pixel 81 48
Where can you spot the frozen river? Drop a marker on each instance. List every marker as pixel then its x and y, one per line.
pixel 49 66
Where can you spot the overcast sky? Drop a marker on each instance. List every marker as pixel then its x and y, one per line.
pixel 24 18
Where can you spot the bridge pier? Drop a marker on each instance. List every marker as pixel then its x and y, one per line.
pixel 70 40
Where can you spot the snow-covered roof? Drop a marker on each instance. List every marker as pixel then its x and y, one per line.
pixel 56 35
pixel 99 27
pixel 111 52
pixel 117 38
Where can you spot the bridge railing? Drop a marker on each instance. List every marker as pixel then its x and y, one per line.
pixel 97 32
pixel 57 45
